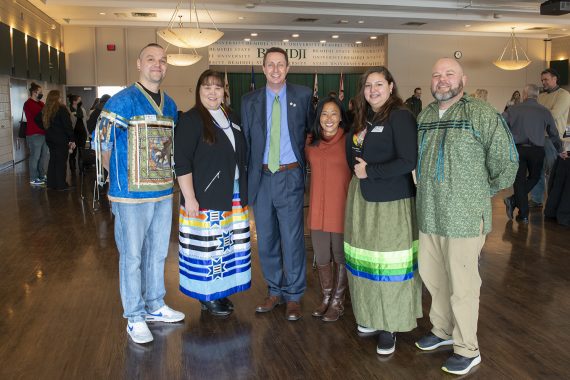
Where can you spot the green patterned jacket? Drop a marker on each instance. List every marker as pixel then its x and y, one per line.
pixel 464 159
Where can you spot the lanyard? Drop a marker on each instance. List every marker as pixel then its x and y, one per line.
pixel 227 117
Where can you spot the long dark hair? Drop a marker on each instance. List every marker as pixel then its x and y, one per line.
pixel 362 108
pixel 316 129
pixel 208 77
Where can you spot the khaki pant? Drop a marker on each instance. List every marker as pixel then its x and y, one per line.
pixel 449 269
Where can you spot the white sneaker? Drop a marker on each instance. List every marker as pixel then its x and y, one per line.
pixel 139 332
pixel 165 314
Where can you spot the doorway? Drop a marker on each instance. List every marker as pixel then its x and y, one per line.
pixel 18 96
pixel 88 95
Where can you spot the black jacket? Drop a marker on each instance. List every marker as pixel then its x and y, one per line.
pixel 390 150
pixel 60 131
pixel 212 166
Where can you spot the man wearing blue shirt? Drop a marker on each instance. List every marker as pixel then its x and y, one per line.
pixel 134 140
pixel 275 121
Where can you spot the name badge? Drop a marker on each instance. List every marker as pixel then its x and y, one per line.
pixel 149 118
pixel 378 129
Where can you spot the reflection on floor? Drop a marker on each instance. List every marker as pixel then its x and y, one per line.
pixel 61 316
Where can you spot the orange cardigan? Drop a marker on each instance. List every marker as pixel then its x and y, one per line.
pixel 330 176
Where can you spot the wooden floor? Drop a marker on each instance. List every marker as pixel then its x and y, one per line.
pixel 61 316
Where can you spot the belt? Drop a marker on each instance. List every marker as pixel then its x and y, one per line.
pixel 282 168
pixel 526 145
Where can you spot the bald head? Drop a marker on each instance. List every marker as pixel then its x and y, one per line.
pixel 447 82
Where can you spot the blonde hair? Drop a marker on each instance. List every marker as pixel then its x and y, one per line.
pixel 50 109
pixel 481 93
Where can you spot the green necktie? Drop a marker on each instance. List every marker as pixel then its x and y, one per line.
pixel 275 137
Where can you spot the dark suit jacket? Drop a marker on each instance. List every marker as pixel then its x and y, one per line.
pixel 254 123
pixel 212 166
pixel 390 150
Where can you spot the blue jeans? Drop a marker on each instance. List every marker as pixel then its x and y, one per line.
pixel 38 155
pixel 142 234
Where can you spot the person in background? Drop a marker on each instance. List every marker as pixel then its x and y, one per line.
pixel 55 119
pixel 141 199
pixel 557 100
pixel 79 122
pixel 330 175
pixel 528 121
pixel 466 154
pixel 95 113
pixel 35 136
pixel 94 105
pixel 380 232
pixel 414 102
pixel 480 93
pixel 515 99
pixel 210 164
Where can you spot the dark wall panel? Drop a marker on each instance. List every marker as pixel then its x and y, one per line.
pixel 33 59
pixel 6 49
pixel 53 66
pixel 62 74
pixel 44 61
pixel 562 68
pixel 19 51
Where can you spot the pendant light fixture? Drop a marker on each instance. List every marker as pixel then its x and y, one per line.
pixel 189 37
pixel 513 57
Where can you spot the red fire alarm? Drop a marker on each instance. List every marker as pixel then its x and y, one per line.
pixel 111 47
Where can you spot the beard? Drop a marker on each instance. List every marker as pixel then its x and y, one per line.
pixel 451 93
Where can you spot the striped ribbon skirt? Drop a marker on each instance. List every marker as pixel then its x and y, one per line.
pixel 381 248
pixel 215 251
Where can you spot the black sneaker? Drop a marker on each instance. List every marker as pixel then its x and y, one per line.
pixel 386 343
pixel 431 342
pixel 226 302
pixel 509 207
pixel 522 219
pixel 460 365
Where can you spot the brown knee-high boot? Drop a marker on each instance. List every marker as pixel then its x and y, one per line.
pixel 326 280
pixel 336 308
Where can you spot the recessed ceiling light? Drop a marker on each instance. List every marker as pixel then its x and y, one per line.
pixel 241 18
pixel 295 35
pixel 334 36
pixel 323 41
pixel 102 13
pixel 360 21
pixel 358 42
pixel 285 40
pixel 373 37
pixel 247 39
pixel 343 21
pixel 564 30
pixel 468 25
pixel 253 34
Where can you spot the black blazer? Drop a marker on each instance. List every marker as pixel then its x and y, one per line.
pixel 254 121
pixel 390 149
pixel 60 131
pixel 212 166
